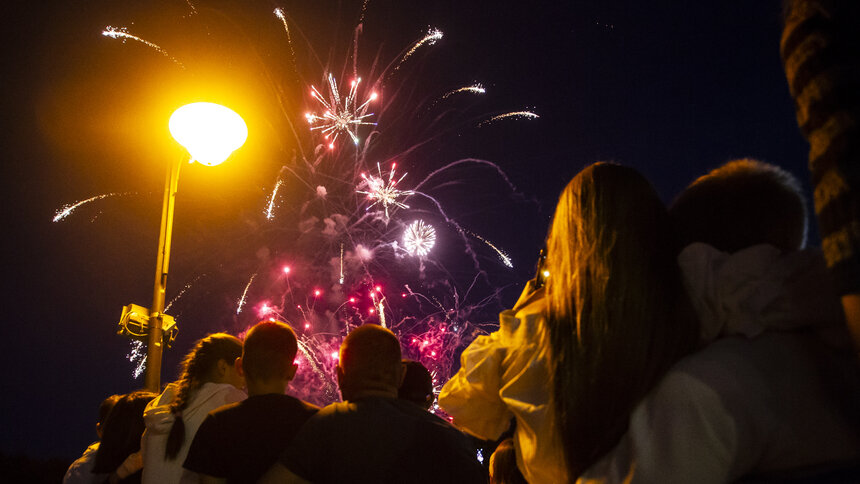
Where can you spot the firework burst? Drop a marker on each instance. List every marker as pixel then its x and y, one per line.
pixel 419 238
pixel 340 116
pixel 384 192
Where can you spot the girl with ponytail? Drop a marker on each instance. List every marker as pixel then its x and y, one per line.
pixel 208 380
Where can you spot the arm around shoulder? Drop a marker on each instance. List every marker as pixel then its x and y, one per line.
pixel 279 474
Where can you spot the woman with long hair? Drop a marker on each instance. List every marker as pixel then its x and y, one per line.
pixel 119 455
pixel 208 380
pixel 574 358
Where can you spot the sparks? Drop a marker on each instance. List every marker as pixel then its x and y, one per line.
pixel 270 208
pixel 121 33
pixel 67 210
pixel 383 191
pixel 502 255
pixel 241 301
pixel 432 36
pixel 137 356
pixel 419 238
pixel 514 114
pixel 340 116
pixel 474 89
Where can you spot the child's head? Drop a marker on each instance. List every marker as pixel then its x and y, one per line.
pixel 740 204
pixel 269 351
pixel 417 386
pixel 212 360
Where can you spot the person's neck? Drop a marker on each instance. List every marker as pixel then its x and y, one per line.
pixel 371 393
pixel 266 387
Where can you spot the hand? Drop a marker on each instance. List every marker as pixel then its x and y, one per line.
pixel 130 465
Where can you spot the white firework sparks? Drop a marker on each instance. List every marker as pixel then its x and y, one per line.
pixel 514 114
pixel 137 355
pixel 502 255
pixel 340 116
pixel 474 89
pixel 241 301
pixel 67 210
pixel 271 206
pixel 383 191
pixel 432 36
pixel 419 238
pixel 121 33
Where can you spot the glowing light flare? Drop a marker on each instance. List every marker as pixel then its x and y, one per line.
pixel 286 269
pixel 419 238
pixel 384 191
pixel 340 115
pixel 210 132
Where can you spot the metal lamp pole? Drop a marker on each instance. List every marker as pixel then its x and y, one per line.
pixel 152 380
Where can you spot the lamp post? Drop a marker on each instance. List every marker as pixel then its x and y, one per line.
pixel 210 133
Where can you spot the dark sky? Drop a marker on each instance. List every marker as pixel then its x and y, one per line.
pixel 673 89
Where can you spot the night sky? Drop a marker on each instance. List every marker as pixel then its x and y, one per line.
pixel 673 89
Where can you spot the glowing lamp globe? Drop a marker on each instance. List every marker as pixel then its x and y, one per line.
pixel 210 132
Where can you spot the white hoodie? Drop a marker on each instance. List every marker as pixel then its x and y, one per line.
pixel 754 401
pixel 159 420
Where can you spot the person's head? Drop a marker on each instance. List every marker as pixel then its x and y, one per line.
pixel 121 431
pixel 503 465
pixel 104 409
pixel 212 359
pixel 269 354
pixel 417 386
pixel 369 363
pixel 740 204
pixel 611 295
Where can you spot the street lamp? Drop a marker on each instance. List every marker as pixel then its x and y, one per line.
pixel 210 132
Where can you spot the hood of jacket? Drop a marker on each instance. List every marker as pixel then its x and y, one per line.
pixel 757 289
pixel 159 418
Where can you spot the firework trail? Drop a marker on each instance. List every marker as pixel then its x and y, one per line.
pixel 137 357
pixel 122 34
pixel 67 210
pixel 502 255
pixel 271 206
pixel 241 302
pixel 514 114
pixel 432 36
pixel 474 89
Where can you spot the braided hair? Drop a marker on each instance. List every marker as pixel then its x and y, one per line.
pixel 196 369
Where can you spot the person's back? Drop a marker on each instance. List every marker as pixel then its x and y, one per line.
pixel 382 440
pixel 238 442
pixel 373 436
pixel 771 394
pixel 208 380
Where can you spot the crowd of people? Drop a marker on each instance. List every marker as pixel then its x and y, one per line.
pixel 695 343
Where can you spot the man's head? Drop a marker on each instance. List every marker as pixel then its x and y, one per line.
pixel 740 204
pixel 369 363
pixel 417 386
pixel 268 353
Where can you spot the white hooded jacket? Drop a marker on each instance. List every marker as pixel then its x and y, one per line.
pixel 755 400
pixel 159 420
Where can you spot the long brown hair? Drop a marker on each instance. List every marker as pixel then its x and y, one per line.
pixel 196 369
pixel 612 295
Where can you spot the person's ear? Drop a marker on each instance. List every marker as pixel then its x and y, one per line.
pixel 238 365
pixel 222 367
pixel 99 430
pixel 291 371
